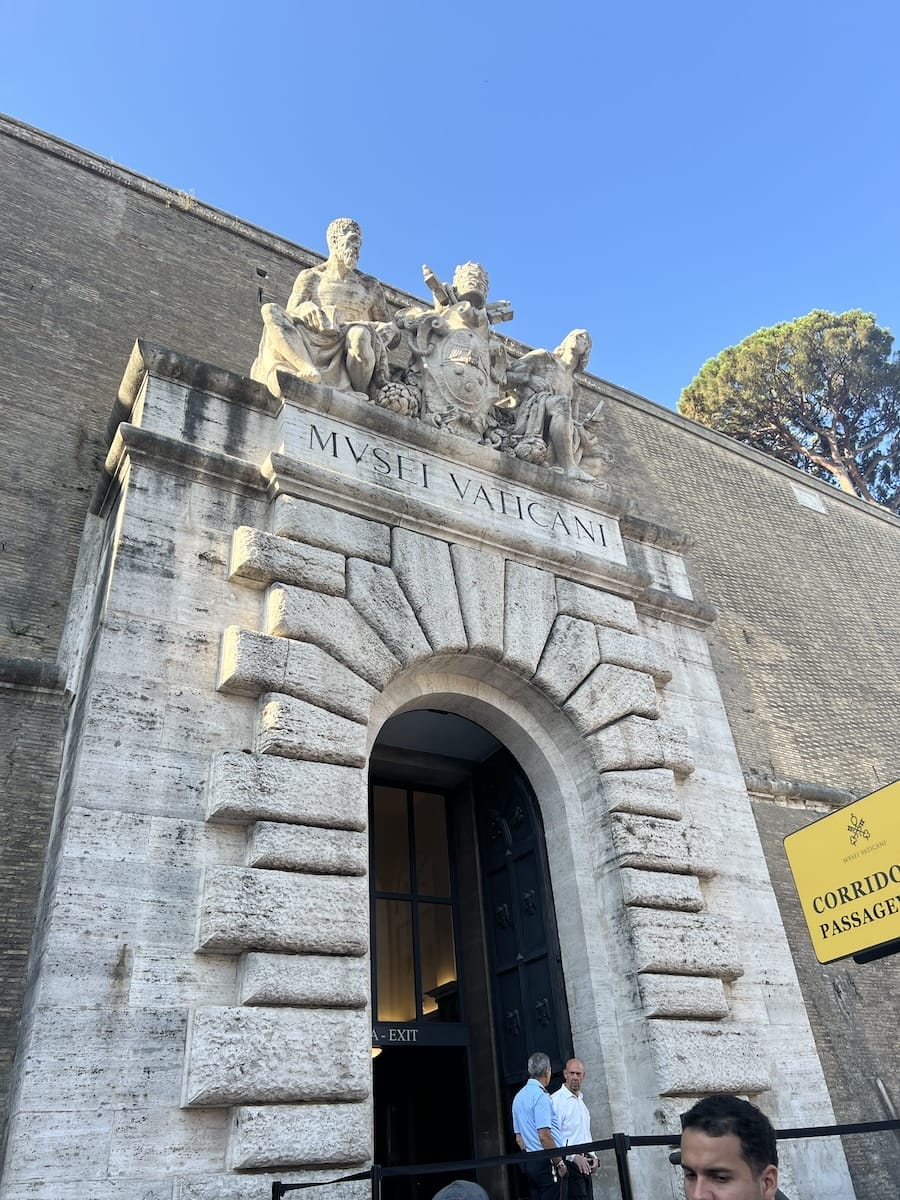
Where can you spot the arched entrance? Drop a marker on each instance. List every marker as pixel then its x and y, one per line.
pixel 466 977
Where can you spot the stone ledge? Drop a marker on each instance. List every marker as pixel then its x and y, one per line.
pixel 330 529
pixel 635 743
pixel 175 456
pixel 651 844
pixel 693 1060
pixel 656 889
pixel 602 608
pixel 676 943
pixel 683 997
pixel 293 728
pixel 651 793
pixel 275 1056
pixel 635 652
pixel 280 847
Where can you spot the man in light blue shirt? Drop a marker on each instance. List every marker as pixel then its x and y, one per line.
pixel 536 1128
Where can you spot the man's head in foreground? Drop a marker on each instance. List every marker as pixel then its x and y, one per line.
pixel 728 1151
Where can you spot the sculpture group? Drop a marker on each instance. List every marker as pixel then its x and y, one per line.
pixel 443 364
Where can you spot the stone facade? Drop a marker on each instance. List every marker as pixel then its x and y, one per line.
pixel 200 660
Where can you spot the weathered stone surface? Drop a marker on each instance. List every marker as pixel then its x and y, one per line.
pixel 299 1135
pixel 275 1056
pixel 693 1059
pixel 342 532
pixel 332 623
pixel 576 600
pixel 610 693
pixel 245 909
pixel 636 743
pixel 376 595
pixel 305 980
pixel 249 1186
pixel 635 652
pixel 673 943
pixel 306 848
pixel 569 656
pixel 529 612
pixel 657 889
pixel 651 843
pixel 425 571
pixel 683 997
pixel 652 793
pixel 480 584
pixel 254 787
pixel 294 729
pixel 253 663
pixel 259 558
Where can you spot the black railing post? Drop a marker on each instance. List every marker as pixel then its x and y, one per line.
pixel 376 1181
pixel 621 1146
pixel 277 1189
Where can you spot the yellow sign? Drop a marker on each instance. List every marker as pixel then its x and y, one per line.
pixel 846 868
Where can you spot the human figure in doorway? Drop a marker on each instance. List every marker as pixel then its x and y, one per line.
pixel 536 1128
pixel 728 1151
pixel 575 1129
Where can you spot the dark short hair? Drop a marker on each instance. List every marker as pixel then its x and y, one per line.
pixel 722 1114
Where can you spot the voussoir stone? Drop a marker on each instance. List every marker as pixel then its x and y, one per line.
pixel 259 558
pixel 480 583
pixel 577 600
pixel 376 595
pixel 305 980
pixel 303 1135
pixel 275 1056
pixel 425 571
pixel 253 787
pixel 529 613
pixel 569 656
pixel 332 623
pixel 275 845
pixel 295 729
pixel 242 908
pixel 651 843
pixel 610 693
pixel 341 532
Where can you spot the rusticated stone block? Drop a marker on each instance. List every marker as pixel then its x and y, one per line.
pixel 259 559
pixel 294 729
pixel 657 889
pixel 576 600
pixel 652 793
pixel 569 656
pixel 651 843
pixel 694 1060
pixel 332 623
pixel 610 693
pixel 275 1056
pixel 635 652
pixel 377 596
pixel 341 532
pixel 299 1135
pixel 529 612
pixel 683 997
pixel 253 663
pixel 256 787
pixel 636 743
pixel 246 909
pixel 305 848
pixel 425 571
pixel 673 943
pixel 305 980
pixel 480 583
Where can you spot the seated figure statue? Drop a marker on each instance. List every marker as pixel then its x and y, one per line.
pixel 542 384
pixel 335 328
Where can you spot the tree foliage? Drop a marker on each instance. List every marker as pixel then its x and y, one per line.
pixel 821 392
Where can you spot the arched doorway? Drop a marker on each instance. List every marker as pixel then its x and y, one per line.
pixel 466 977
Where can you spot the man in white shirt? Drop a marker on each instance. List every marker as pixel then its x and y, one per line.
pixel 575 1129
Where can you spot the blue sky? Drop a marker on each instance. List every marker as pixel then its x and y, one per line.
pixel 670 176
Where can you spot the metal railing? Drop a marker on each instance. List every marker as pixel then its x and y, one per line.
pixel 620 1144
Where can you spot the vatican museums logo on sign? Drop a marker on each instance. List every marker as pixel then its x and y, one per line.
pixel 846 869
